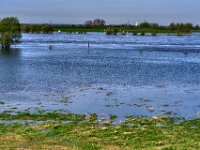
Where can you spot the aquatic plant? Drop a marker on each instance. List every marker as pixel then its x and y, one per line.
pixel 135 33
pixel 142 34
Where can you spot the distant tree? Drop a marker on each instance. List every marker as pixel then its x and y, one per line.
pixel 112 31
pixel 99 22
pixel 197 27
pixel 181 28
pixel 10 32
pixel 172 26
pixel 46 29
pixel 188 27
pixel 89 23
pixel 154 26
pixel 26 28
pixel 184 28
pixel 145 25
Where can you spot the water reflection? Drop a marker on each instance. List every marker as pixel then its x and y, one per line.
pixel 10 52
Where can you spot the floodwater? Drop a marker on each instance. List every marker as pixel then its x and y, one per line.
pixel 122 75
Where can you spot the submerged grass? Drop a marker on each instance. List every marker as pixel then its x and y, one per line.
pixel 42 116
pixel 89 133
pixel 2 103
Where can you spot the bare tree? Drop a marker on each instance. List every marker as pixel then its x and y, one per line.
pixel 99 22
pixel 89 23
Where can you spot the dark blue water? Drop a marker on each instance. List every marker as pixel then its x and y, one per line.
pixel 166 62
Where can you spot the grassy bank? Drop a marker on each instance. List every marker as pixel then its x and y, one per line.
pixel 72 131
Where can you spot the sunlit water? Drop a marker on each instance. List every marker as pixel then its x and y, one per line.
pixel 114 76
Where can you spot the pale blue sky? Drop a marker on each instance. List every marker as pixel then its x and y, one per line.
pixel 113 11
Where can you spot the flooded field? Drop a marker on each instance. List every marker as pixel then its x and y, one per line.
pixel 122 75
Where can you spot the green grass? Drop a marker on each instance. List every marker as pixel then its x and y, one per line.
pixel 92 134
pixel 42 116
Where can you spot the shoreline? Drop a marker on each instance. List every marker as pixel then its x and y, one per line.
pixel 116 100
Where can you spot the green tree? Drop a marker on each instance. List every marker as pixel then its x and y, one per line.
pixel 145 25
pixel 172 26
pixel 154 26
pixel 10 32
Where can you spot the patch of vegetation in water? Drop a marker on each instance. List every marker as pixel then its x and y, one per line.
pixel 42 116
pixel 66 100
pixel 2 103
pixel 91 134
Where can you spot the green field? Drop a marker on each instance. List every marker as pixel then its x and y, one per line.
pixel 73 131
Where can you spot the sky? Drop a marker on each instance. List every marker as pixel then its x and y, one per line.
pixel 112 11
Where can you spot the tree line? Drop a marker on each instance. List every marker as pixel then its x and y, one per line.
pixel 37 28
pixel 99 25
pixel 153 28
pixel 10 29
